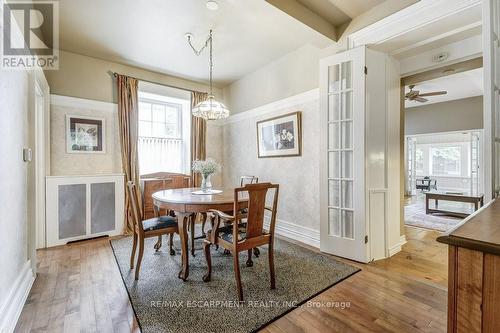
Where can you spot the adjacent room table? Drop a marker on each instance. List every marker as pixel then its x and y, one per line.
pixel 185 204
pixel 477 200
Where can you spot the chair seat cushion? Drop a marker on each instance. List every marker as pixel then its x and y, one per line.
pixel 228 236
pixel 161 222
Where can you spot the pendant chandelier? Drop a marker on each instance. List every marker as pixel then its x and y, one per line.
pixel 210 109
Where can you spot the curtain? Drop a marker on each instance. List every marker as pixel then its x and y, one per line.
pixel 198 136
pixel 160 155
pixel 128 115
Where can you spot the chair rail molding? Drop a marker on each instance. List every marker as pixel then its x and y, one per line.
pixel 415 16
pixel 13 304
pixel 82 103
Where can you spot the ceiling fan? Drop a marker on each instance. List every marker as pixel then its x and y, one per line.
pixel 415 95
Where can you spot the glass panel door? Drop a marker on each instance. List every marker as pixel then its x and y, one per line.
pixel 474 167
pixel 340 151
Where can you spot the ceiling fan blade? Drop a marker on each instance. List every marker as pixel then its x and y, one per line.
pixel 421 100
pixel 435 93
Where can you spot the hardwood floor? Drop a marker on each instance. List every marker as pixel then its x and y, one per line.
pixel 79 288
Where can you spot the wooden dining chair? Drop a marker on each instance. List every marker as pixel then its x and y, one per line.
pixel 244 180
pixel 153 227
pixel 237 238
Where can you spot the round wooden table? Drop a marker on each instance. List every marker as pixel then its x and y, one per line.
pixel 186 204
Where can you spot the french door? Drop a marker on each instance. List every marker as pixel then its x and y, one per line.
pixel 474 163
pixel 411 174
pixel 342 96
pixel 491 63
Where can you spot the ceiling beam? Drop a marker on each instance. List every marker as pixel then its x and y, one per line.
pixel 308 17
pixel 443 71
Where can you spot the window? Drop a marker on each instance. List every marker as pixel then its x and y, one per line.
pixel 446 160
pixel 419 161
pixel 159 119
pixel 164 128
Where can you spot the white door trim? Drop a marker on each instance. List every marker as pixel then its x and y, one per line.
pixel 415 16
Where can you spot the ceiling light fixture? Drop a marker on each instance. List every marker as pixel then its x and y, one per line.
pixel 212 5
pixel 210 109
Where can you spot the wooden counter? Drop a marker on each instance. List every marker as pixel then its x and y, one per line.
pixel 474 272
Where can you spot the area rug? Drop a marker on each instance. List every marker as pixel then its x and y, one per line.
pixel 415 216
pixel 164 303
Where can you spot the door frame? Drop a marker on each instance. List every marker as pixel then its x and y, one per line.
pixel 38 168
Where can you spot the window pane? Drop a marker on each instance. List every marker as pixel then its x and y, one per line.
pixel 348 224
pixel 171 131
pixel 346 75
pixel 347 164
pixel 347 135
pixel 333 107
pixel 144 128
pixel 333 136
pixel 333 78
pixel 334 222
pixel 333 193
pixel 333 164
pixel 347 105
pixel 419 161
pixel 446 160
pixel 347 194
pixel 159 113
pixel 159 130
pixel 144 111
pixel 172 115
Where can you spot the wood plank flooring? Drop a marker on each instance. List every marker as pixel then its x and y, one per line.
pixel 79 289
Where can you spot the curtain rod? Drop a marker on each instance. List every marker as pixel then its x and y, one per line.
pixel 115 74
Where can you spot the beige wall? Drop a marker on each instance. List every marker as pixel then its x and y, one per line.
pixel 457 115
pixel 87 77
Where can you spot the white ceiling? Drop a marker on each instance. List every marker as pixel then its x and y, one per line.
pixel 460 85
pixel 150 34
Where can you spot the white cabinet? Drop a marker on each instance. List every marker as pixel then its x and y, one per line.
pixel 358 138
pixel 80 207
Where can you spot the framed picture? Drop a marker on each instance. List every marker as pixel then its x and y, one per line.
pixel 85 134
pixel 280 136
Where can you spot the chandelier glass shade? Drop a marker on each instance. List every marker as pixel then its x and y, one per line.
pixel 209 109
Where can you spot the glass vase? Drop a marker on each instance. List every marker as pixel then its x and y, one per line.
pixel 206 183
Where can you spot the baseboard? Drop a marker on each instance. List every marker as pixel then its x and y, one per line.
pixel 13 304
pixel 296 232
pixel 397 248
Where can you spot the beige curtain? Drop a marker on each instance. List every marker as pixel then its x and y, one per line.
pixel 128 115
pixel 198 136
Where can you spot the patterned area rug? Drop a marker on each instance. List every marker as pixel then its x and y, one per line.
pixel 415 216
pixel 164 303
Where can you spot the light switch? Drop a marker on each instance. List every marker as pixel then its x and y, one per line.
pixel 27 155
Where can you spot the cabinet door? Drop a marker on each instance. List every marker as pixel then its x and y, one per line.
pixel 342 105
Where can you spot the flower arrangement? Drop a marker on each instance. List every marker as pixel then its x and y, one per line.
pixel 206 168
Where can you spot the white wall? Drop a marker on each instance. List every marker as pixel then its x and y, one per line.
pixel 458 115
pixel 13 179
pixel 298 210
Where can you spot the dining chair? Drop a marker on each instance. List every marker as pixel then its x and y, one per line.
pixel 238 238
pixel 153 227
pixel 244 180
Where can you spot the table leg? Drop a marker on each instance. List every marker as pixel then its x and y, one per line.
pixel 436 202
pixel 182 222
pixel 476 205
pixel 426 205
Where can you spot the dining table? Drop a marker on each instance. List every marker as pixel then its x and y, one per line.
pixel 186 203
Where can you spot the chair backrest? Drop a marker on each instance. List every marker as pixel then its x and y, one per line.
pixel 257 194
pixel 245 180
pixel 134 202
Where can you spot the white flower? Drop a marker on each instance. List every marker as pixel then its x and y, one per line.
pixel 207 167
